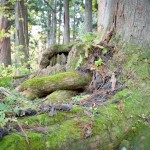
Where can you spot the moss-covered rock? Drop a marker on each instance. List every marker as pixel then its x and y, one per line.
pixel 60 96
pixel 57 48
pixel 38 87
pixel 76 54
pixel 49 71
pixel 49 54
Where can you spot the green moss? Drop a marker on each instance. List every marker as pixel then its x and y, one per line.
pixel 56 79
pixel 61 48
pixel 13 142
pixel 60 96
pixel 39 87
pixel 68 130
pixel 77 52
pixel 46 120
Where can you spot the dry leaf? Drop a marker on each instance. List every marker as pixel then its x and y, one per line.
pixel 121 106
pixel 113 81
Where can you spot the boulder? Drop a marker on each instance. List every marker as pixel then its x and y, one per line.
pixel 60 96
pixel 77 53
pixel 50 71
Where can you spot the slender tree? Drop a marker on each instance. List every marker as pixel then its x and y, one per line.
pixel 88 16
pixel 66 22
pixel 54 23
pixel 5 51
pixel 60 21
pixel 21 41
pixel 49 21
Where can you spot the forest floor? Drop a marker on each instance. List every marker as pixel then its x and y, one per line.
pixel 114 114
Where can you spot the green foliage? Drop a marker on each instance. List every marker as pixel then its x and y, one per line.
pixel 3 119
pixel 79 62
pixel 89 37
pixel 99 62
pixel 13 104
pixel 104 50
pixel 12 70
pixel 6 82
pixel 79 98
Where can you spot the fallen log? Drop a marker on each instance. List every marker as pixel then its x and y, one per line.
pixel 39 87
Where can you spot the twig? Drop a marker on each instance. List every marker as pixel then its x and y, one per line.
pixel 26 137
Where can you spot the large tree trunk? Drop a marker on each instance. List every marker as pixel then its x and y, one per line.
pixel 88 16
pixel 5 51
pixel 66 22
pixel 20 34
pixel 130 19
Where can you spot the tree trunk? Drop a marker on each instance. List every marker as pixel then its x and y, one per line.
pixel 20 34
pixel 66 22
pixel 74 23
pixel 38 87
pixel 26 28
pixel 60 21
pixel 5 51
pixel 49 29
pixel 54 24
pixel 88 16
pixel 130 19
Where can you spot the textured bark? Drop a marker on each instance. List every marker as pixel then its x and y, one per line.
pixel 26 28
pixel 60 22
pixel 130 19
pixel 88 16
pixel 39 87
pixel 21 41
pixel 5 51
pixel 49 29
pixel 66 22
pixel 54 24
pixel 74 23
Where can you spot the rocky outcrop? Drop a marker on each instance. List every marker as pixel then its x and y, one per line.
pixel 56 55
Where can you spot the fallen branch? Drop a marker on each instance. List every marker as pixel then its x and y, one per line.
pixel 26 137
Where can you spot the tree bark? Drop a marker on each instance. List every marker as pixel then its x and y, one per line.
pixel 5 50
pixel 26 28
pixel 88 16
pixel 74 23
pixel 54 24
pixel 60 22
pixel 130 19
pixel 49 21
pixel 66 22
pixel 21 40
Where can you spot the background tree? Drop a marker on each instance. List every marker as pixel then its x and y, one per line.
pixel 5 51
pixel 88 16
pixel 66 22
pixel 21 37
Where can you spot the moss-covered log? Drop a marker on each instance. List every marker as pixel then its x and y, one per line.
pixel 39 87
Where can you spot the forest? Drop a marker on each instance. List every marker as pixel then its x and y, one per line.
pixel 74 75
